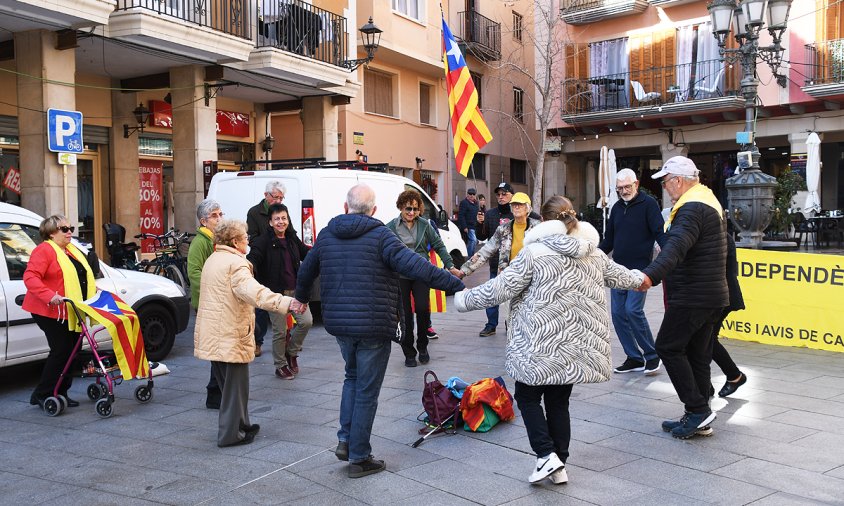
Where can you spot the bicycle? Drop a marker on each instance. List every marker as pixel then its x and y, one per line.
pixel 170 258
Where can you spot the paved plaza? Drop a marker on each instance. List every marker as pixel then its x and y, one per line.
pixel 778 441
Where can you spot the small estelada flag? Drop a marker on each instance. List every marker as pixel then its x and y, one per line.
pixel 121 322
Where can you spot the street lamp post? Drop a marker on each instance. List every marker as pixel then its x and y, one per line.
pixel 750 194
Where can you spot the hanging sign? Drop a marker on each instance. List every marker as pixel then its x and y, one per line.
pixel 12 181
pixel 151 174
pixel 231 123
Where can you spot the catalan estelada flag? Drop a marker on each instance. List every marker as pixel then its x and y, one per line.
pixel 436 297
pixel 121 322
pixel 467 124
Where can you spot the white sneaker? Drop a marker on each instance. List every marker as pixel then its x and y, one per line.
pixel 559 476
pixel 545 466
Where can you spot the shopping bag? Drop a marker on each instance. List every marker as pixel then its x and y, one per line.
pixel 437 400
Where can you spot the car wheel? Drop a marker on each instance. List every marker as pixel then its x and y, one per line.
pixel 159 331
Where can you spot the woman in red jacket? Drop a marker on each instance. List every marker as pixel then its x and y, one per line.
pixel 56 270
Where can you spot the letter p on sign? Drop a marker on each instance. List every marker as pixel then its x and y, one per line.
pixel 64 131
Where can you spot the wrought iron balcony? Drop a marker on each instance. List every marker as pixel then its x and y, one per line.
pixel 825 68
pixel 301 28
pixel 226 16
pixel 669 3
pixel 581 12
pixel 481 35
pixel 679 88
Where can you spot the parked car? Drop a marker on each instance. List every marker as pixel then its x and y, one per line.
pixel 162 306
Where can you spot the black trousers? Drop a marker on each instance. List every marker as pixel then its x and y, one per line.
pixel 61 342
pixel 421 301
pixel 719 353
pixel 548 431
pixel 684 343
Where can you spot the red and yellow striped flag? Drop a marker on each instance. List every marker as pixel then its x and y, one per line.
pixel 467 124
pixel 436 297
pixel 122 324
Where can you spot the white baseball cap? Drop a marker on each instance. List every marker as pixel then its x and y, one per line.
pixel 678 165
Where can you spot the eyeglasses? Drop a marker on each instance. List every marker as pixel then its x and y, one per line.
pixel 625 188
pixel 67 229
pixel 411 209
pixel 216 215
pixel 275 196
pixel 665 181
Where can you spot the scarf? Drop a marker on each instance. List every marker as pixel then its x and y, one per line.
pixel 207 232
pixel 72 288
pixel 697 193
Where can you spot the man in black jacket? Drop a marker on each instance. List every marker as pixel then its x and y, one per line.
pixel 692 263
pixel 467 220
pixel 635 224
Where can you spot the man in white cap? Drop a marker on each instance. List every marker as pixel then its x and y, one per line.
pixel 635 224
pixel 692 264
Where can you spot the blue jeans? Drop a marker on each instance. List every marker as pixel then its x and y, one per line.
pixel 262 323
pixel 366 363
pixel 472 243
pixel 492 312
pixel 628 318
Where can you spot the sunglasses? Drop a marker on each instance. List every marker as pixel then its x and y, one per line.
pixel 67 229
pixel 411 209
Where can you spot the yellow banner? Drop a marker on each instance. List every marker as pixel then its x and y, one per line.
pixel 792 299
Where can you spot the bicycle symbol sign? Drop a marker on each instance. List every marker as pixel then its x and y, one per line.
pixel 64 131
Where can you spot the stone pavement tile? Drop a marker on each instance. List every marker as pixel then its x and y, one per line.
pixel 815 421
pixel 748 407
pixel 693 453
pixel 296 431
pixel 326 497
pixel 691 483
pixel 823 442
pixel 651 387
pixel 824 407
pixel 12 431
pixel 838 472
pixel 291 398
pixel 19 489
pixel 285 452
pixel 664 408
pixel 37 462
pixel 399 430
pixel 469 482
pixel 436 497
pixel 399 455
pixel 783 499
pixel 632 421
pixel 386 487
pixel 504 434
pixel 826 381
pixel 188 490
pixel 591 432
pixel 761 428
pixel 787 479
pixel 129 426
pixel 280 487
pixel 794 375
pixel 584 409
pixel 603 488
pixel 809 388
pixel 89 497
pixel 110 477
pixel 598 458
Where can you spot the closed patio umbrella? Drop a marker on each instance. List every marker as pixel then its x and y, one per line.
pixel 603 182
pixel 813 172
pixel 612 195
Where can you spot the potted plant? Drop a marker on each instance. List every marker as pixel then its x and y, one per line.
pixel 788 184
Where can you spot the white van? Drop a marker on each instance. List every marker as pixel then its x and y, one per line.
pixel 162 306
pixel 314 196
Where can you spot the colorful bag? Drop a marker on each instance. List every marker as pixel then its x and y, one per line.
pixel 485 403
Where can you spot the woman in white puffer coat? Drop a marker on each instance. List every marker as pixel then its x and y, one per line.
pixel 559 327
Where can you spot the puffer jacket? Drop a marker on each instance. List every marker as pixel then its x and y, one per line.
pixel 357 259
pixel 497 249
pixel 693 260
pixel 225 320
pixel 558 331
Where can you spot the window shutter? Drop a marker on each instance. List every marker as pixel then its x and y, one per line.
pixel 424 104
pixel 576 87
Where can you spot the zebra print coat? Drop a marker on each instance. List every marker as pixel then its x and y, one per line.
pixel 558 329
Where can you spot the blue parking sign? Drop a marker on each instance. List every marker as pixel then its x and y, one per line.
pixel 64 131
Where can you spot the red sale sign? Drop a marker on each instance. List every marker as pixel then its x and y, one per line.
pixel 151 174
pixel 13 180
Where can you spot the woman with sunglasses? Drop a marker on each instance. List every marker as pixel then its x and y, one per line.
pixel 417 234
pixel 56 270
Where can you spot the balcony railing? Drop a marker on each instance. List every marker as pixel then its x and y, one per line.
pixel 226 16
pixel 304 29
pixel 825 62
pixel 650 87
pixel 481 35
pixel 579 12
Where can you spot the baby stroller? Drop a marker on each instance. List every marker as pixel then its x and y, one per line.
pixel 102 367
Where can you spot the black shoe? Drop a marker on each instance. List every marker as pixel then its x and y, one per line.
pixel 652 367
pixel 367 467
pixel 410 362
pixel 33 400
pixel 630 365
pixel 487 331
pixel 210 404
pixel 248 438
pixel 252 429
pixel 70 402
pixel 431 333
pixel 342 450
pixel 424 358
pixel 730 387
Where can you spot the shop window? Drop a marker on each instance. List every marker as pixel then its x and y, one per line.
pixel 519 104
pixel 153 146
pixel 518 171
pixel 517 26
pixel 411 8
pixel 425 98
pixel 18 241
pixel 10 178
pixel 378 92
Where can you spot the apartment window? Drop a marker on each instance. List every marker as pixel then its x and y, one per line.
pixel 411 8
pixel 517 26
pixel 478 168
pixel 378 92
pixel 425 109
pixel 518 171
pixel 476 80
pixel 519 104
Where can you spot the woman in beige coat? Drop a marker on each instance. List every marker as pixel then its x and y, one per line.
pixel 225 326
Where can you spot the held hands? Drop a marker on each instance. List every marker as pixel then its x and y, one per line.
pixel 646 284
pixel 457 272
pixel 297 307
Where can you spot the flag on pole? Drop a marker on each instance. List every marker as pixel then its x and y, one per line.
pixel 467 124
pixel 121 322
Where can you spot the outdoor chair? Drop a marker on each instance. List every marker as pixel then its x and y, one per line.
pixel 715 89
pixel 644 97
pixel 804 230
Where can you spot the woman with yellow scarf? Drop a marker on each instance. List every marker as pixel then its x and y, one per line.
pixel 57 269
